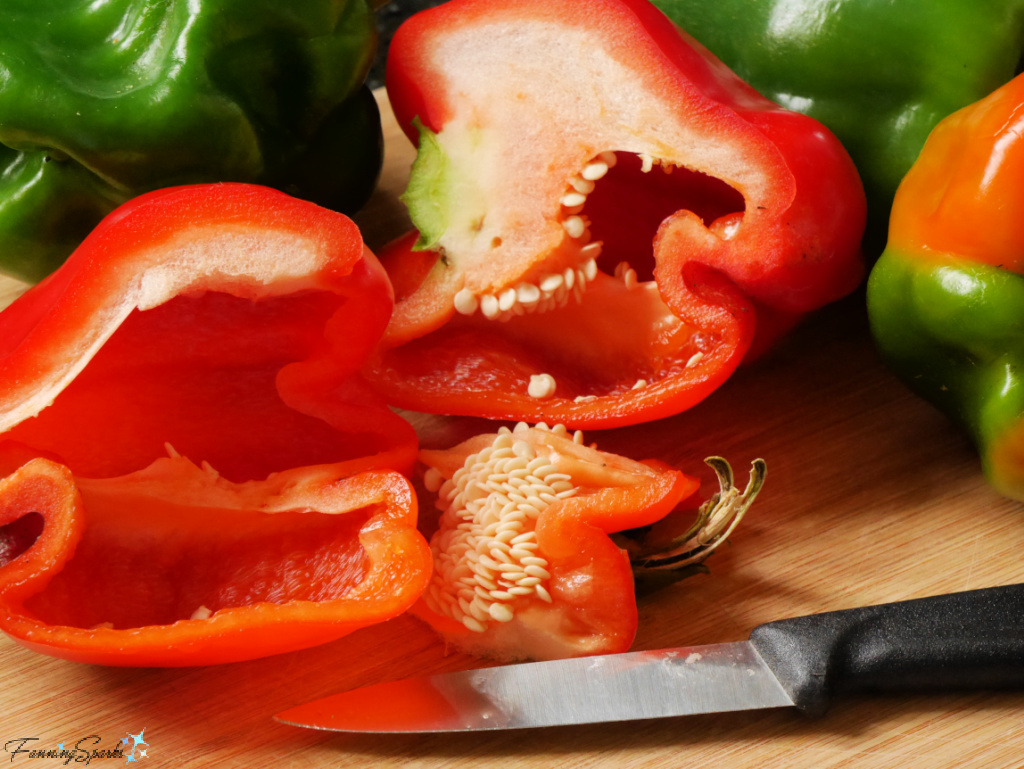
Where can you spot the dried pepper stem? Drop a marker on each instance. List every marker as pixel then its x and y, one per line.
pixel 716 519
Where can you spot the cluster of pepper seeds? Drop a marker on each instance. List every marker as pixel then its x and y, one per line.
pixel 485 551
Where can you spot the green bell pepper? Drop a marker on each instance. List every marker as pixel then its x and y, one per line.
pixel 878 73
pixel 100 102
pixel 946 298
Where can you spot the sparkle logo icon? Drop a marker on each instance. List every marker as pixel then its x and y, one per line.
pixel 134 747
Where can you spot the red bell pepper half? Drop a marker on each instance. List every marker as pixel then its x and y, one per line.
pixel 204 476
pixel 540 537
pixel 558 141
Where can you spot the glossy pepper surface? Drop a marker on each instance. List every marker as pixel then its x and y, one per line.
pixel 197 472
pixel 607 217
pixel 527 556
pixel 879 74
pixel 104 101
pixel 946 298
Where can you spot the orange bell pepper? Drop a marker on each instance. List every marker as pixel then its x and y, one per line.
pixel 946 298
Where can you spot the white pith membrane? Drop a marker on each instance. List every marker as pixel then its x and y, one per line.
pixel 551 290
pixel 486 557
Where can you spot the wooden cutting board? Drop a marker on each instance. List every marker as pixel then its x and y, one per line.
pixel 872 496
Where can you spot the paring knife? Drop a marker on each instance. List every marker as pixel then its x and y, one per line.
pixel 969 640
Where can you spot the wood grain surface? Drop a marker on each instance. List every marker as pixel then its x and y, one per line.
pixel 872 496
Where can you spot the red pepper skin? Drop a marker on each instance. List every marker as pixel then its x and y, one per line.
pixel 219 326
pixel 764 226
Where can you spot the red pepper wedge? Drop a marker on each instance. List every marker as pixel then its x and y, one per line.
pixel 529 562
pixel 173 566
pixel 228 321
pixel 222 327
pixel 531 289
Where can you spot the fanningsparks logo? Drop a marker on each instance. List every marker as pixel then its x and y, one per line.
pixel 135 740
pixel 84 751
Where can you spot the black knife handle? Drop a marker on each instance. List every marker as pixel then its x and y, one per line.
pixel 969 640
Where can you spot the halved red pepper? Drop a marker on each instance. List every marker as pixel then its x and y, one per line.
pixel 557 141
pixel 530 559
pixel 190 377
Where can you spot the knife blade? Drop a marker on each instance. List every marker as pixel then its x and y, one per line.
pixel 966 640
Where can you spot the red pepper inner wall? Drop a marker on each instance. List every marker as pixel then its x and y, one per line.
pixel 153 567
pixel 197 372
pixel 627 206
